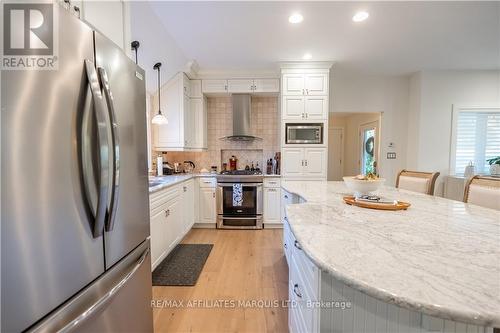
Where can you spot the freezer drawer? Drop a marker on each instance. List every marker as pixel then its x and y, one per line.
pixel 119 301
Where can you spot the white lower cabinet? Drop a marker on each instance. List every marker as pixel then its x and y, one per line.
pixel 188 204
pixel 272 211
pixel 310 163
pixel 345 309
pixel 207 205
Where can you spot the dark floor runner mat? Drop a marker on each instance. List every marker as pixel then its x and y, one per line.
pixel 182 266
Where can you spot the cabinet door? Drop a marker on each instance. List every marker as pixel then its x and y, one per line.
pixel 240 85
pixel 207 205
pixel 195 89
pixel 293 84
pixel 293 107
pixel 214 86
pixel 188 202
pixel 198 128
pixel 315 162
pixel 316 107
pixel 266 85
pixel 316 84
pixel 272 212
pixel 293 162
pixel 174 223
pixel 189 124
pixel 98 14
pixel 172 103
pixel 158 239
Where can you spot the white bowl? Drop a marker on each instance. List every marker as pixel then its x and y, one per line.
pixel 361 187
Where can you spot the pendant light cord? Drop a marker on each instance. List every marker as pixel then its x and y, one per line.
pixel 157 66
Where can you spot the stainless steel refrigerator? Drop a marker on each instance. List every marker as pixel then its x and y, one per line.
pixel 74 207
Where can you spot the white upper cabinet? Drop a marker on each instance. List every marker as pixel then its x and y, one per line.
pixel 316 84
pixel 213 86
pixel 296 107
pixel 99 14
pixel 310 163
pixel 316 107
pixel 187 124
pixel 195 89
pixel 293 107
pixel 240 85
pixel 266 85
pixel 305 84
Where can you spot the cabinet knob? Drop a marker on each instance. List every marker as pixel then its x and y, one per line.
pixel 167 212
pixel 307 91
pixel 296 244
pixel 185 189
pixel 213 194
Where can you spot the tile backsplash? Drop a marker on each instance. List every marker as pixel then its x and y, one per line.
pixel 264 124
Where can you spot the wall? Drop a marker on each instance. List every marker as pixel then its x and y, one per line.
pixel 439 91
pixel 264 124
pixel 157 45
pixel 352 144
pixel 389 95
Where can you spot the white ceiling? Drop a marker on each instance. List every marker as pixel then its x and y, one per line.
pixel 397 38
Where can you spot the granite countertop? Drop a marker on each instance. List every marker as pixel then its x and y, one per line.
pixel 440 257
pixel 162 182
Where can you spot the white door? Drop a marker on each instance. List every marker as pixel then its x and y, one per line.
pixel 198 128
pixel 266 85
pixel 214 86
pixel 293 107
pixel 207 205
pixel 293 162
pixel 315 162
pixel 171 134
pixel 158 229
pixel 272 200
pixel 188 202
pixel 316 107
pixel 316 84
pixel 293 84
pixel 369 146
pixel 335 153
pixel 240 85
pixel 174 223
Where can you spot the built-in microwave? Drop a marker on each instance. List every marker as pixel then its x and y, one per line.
pixel 301 133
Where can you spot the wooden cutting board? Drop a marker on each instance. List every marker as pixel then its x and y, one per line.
pixel 399 205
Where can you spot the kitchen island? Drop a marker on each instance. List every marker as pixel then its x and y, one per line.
pixel 434 267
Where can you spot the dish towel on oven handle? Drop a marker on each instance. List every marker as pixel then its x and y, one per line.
pixel 237 195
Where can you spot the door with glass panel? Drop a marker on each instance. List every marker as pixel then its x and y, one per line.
pixel 369 138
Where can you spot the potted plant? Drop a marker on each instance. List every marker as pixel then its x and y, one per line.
pixel 494 166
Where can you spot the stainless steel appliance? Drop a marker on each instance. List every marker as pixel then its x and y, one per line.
pixel 300 133
pixel 75 228
pixel 242 110
pixel 246 215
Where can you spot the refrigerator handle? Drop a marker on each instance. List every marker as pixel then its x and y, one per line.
pixel 115 188
pixel 97 201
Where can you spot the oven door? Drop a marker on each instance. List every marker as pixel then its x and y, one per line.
pixel 304 134
pixel 251 201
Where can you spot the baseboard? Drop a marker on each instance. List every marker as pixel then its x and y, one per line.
pixel 204 225
pixel 278 225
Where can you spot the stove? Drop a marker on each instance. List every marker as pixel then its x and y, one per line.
pixel 245 213
pixel 240 176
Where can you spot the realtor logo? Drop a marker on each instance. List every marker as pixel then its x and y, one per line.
pixel 29 36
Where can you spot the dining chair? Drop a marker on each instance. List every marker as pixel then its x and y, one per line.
pixel 483 191
pixel 417 181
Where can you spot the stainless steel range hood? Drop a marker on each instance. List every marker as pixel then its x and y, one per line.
pixel 241 119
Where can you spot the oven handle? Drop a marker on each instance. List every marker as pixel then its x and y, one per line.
pixel 239 218
pixel 243 184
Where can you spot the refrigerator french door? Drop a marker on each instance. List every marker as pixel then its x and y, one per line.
pixel 75 215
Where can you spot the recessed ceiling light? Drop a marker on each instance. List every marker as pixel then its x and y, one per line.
pixel 295 18
pixel 307 56
pixel 360 16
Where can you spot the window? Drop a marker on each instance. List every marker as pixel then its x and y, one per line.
pixel 476 138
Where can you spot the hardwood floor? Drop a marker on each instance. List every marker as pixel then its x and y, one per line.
pixel 244 266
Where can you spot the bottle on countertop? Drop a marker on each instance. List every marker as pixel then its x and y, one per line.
pixel 159 165
pixel 269 167
pixel 274 166
pixel 257 167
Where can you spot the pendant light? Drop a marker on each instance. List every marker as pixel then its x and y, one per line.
pixel 159 118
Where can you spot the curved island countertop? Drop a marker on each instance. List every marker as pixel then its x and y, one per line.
pixel 440 257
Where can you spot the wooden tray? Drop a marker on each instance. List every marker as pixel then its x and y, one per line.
pixel 400 205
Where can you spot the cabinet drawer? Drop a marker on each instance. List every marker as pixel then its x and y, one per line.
pixel 272 182
pixel 208 182
pixel 308 270
pixel 159 198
